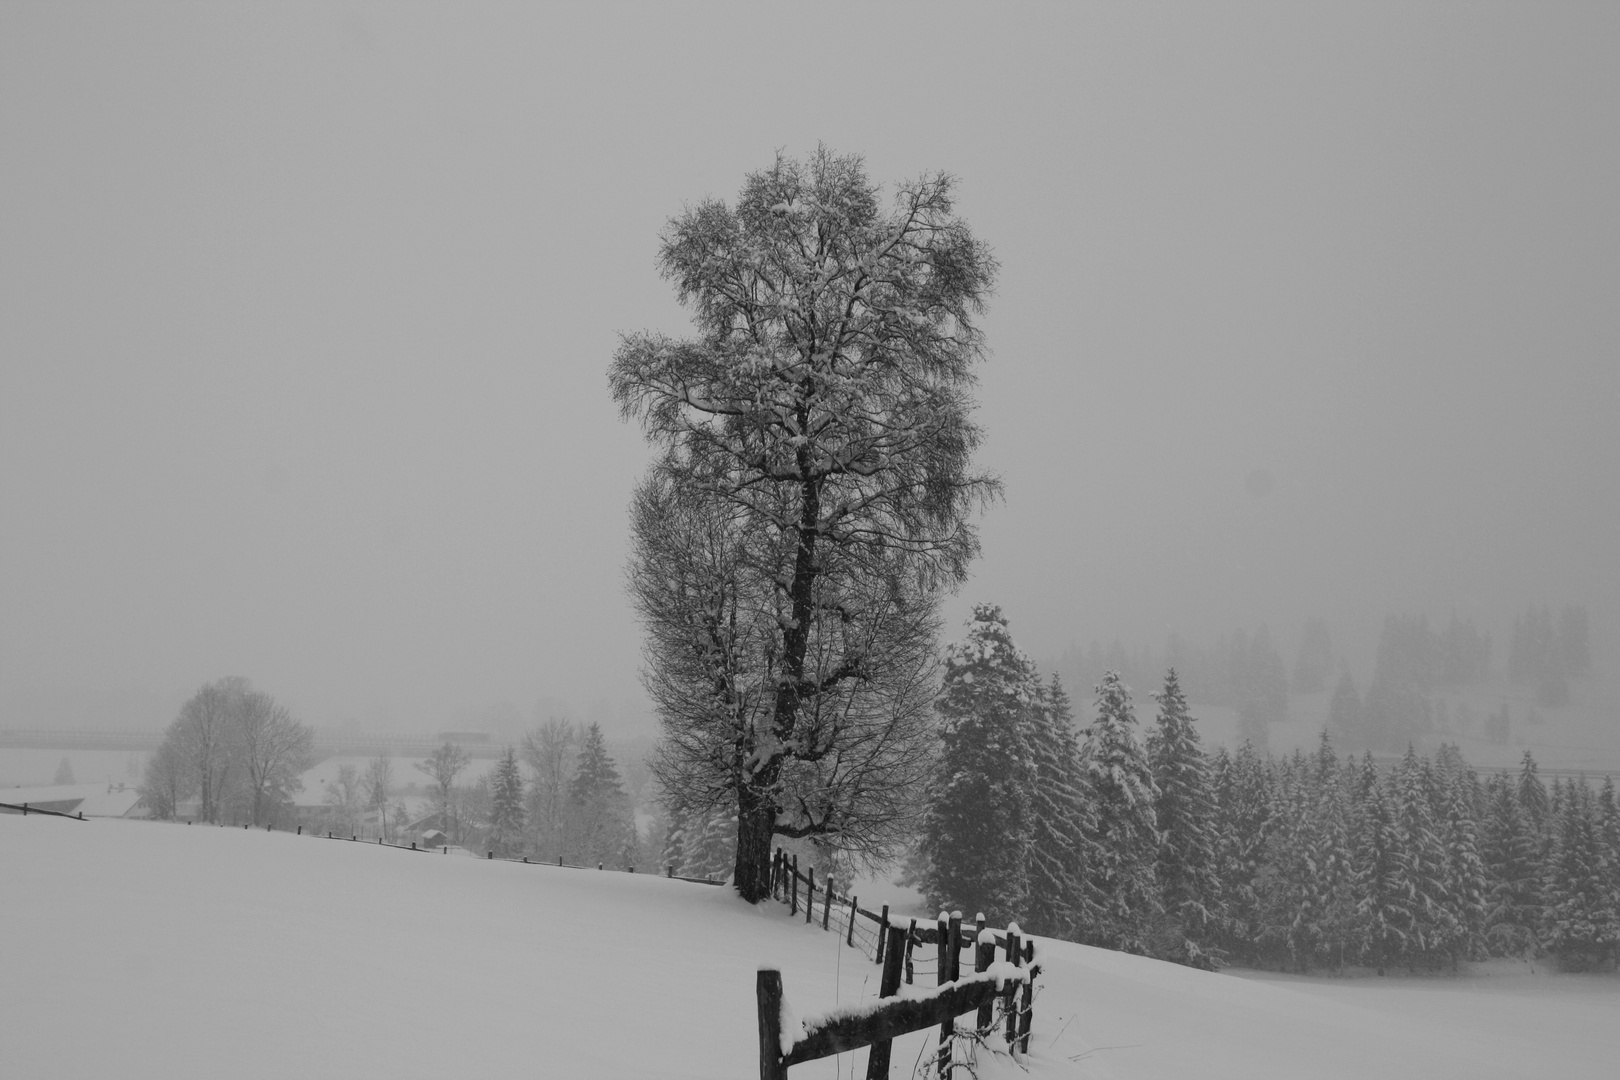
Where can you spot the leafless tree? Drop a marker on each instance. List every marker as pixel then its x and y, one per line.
pixel 345 797
pixel 168 780
pixel 378 779
pixel 549 752
pixel 442 768
pixel 275 749
pixel 810 502
pixel 202 735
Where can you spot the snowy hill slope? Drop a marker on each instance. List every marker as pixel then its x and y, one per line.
pixel 144 950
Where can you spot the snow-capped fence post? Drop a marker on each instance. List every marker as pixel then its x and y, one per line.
pixel 875 1027
pixel 942 975
pixel 877 1059
pixel 768 991
pixel 882 934
pixel 1015 953
pixel 984 951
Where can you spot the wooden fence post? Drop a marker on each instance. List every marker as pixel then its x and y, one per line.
pixel 956 945
pixel 942 975
pixel 669 871
pixel 911 939
pixel 983 952
pixel 882 935
pixel 1026 1014
pixel 826 907
pixel 768 990
pixel 793 892
pixel 810 896
pixel 489 854
pixel 1015 953
pixel 854 908
pixel 877 1059
pixel 300 829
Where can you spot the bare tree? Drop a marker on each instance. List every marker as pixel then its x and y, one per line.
pixel 275 749
pixel 442 768
pixel 548 751
pixel 202 735
pixel 345 798
pixel 378 779
pixel 168 780
pixel 810 502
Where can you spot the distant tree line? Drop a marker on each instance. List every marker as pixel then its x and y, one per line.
pixel 1548 652
pixel 1153 846
pixel 232 755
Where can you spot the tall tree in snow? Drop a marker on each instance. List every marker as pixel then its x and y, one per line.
pixel 378 779
pixel 506 804
pixel 1387 901
pixel 442 768
pixel 1429 927
pixel 1465 894
pixel 1185 817
pixel 549 751
pixel 810 502
pixel 980 821
pixel 599 825
pixel 1244 812
pixel 1125 841
pixel 1060 899
pixel 1533 794
pixel 1579 923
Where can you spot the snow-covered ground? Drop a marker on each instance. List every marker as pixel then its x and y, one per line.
pixel 141 949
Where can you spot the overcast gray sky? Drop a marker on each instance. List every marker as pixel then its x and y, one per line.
pixel 305 313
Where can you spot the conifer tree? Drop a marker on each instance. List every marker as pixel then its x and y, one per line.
pixel 1243 808
pixel 1284 887
pixel 1334 882
pixel 1060 900
pixel 1125 839
pixel 1511 852
pixel 506 804
pixel 1184 814
pixel 1387 899
pixel 599 827
pixel 1429 926
pixel 1465 893
pixel 1578 923
pixel 979 825
pixel 1533 798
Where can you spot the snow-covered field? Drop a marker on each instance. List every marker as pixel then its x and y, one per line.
pixel 138 949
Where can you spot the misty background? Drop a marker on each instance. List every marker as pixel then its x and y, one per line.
pixel 306 311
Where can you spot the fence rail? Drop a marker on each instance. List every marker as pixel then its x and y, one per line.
pixel 24 809
pixel 894 941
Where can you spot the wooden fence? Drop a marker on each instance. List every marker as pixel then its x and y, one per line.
pixel 24 809
pixel 894 943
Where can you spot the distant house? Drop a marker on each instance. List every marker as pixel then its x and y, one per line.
pixel 91 800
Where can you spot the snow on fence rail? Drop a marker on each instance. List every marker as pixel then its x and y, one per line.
pixel 785 1041
pixel 25 810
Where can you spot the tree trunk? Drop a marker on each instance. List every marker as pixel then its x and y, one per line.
pixel 756 826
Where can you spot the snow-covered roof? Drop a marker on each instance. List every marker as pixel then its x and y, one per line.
pixel 92 800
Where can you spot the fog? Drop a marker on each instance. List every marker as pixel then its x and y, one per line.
pixel 306 310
